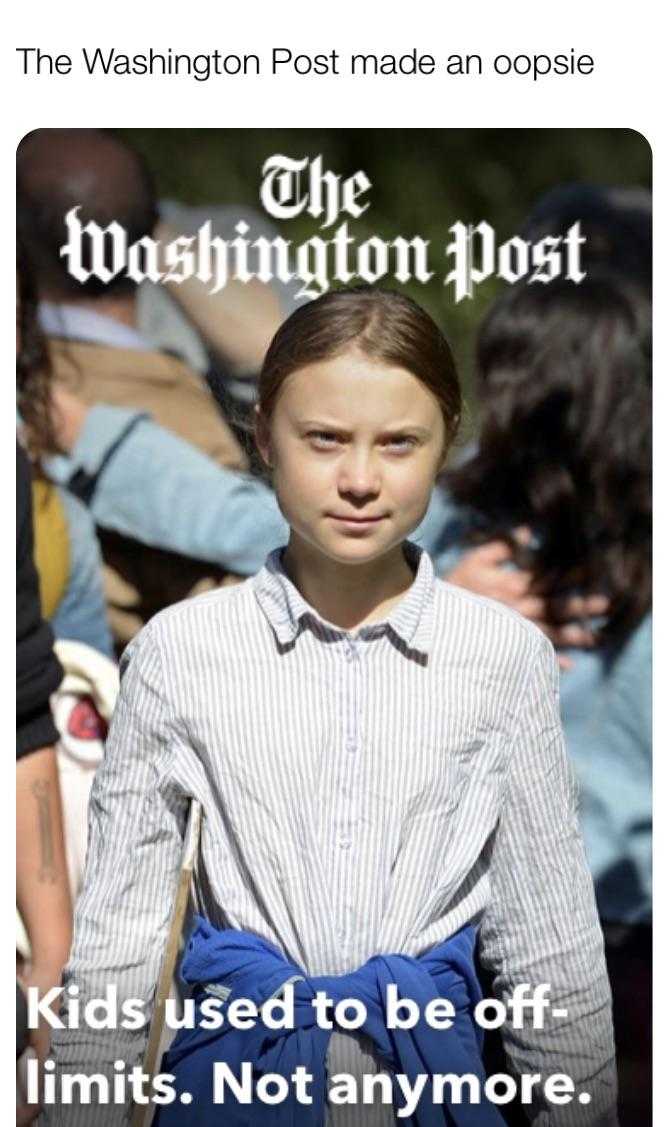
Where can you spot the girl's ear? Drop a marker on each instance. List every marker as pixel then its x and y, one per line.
pixel 444 457
pixel 263 436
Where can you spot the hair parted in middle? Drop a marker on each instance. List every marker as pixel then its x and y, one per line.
pixel 381 324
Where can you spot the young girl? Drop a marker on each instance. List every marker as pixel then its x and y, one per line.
pixel 380 762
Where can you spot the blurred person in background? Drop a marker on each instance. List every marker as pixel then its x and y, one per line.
pixel 137 479
pixel 615 220
pixel 95 346
pixel 66 550
pixel 558 495
pixel 224 335
pixel 99 355
pixel 616 224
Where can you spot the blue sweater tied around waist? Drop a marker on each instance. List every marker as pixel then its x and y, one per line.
pixel 252 968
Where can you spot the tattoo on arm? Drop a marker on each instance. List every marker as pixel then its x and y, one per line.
pixel 47 866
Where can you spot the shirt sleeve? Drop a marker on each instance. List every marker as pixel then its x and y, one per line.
pixel 187 503
pixel 542 924
pixel 135 839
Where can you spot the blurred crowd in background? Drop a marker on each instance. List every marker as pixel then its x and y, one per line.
pixel 137 483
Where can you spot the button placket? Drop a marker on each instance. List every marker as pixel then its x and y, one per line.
pixel 353 657
pixel 346 785
pixel 346 819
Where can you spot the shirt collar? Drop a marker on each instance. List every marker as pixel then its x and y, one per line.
pixel 411 620
pixel 75 322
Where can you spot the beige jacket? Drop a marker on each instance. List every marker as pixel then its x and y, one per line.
pixel 174 395
pixel 140 581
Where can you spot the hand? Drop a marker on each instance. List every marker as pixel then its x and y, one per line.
pixel 25 1113
pixel 482 571
pixel 68 414
pixel 44 978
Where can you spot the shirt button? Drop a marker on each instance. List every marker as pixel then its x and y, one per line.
pixel 351 746
pixel 345 842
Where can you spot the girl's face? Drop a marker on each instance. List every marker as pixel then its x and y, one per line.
pixel 354 445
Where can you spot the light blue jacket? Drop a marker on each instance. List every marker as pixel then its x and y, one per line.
pixel 144 482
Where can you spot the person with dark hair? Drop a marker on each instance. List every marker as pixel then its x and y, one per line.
pixel 101 360
pixel 380 763
pixel 616 224
pixel 95 347
pixel 564 456
pixel 615 221
pixel 59 169
pixel 66 550
pixel 187 505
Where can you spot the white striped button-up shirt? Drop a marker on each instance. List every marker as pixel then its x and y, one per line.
pixel 363 792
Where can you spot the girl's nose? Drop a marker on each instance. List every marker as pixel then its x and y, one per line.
pixel 358 475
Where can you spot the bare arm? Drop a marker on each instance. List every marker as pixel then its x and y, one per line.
pixel 42 887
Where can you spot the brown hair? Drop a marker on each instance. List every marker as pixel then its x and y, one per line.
pixel 565 441
pixel 383 325
pixel 33 368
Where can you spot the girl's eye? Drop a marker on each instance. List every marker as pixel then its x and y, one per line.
pixel 323 439
pixel 329 440
pixel 401 442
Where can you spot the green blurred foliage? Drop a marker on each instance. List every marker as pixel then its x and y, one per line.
pixel 422 182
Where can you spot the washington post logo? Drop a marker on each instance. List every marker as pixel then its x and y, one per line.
pixel 292 188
